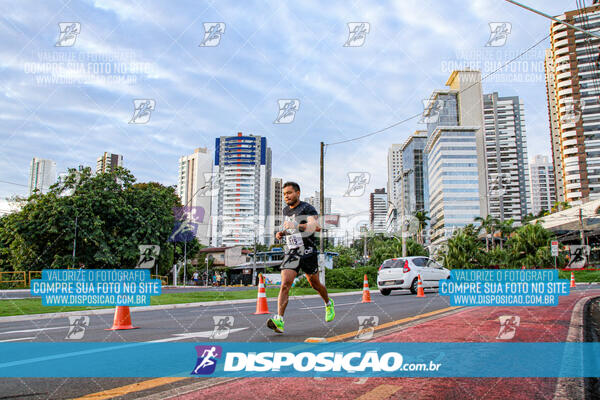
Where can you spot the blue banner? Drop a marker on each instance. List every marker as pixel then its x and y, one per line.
pixel 299 359
pixel 96 287
pixel 506 287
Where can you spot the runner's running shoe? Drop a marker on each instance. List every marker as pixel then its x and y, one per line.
pixel 329 311
pixel 276 323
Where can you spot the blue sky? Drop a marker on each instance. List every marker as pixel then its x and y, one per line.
pixel 269 51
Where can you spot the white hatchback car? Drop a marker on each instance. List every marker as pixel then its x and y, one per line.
pixel 402 273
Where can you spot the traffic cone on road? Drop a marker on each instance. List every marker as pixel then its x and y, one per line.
pixel 261 302
pixel 572 279
pixel 366 292
pixel 420 291
pixel 122 319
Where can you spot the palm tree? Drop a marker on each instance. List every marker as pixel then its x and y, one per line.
pixel 422 219
pixel 505 228
pixel 488 224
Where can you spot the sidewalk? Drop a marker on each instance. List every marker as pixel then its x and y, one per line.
pixel 479 324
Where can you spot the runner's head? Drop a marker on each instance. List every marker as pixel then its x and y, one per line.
pixel 291 193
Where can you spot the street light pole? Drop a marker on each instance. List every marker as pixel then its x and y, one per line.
pixel 74 243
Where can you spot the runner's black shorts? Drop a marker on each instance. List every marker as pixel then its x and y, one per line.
pixel 308 264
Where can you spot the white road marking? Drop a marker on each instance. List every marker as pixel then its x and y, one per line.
pixel 34 330
pixel 14 340
pixel 182 336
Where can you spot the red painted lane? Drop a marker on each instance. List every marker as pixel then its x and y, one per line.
pixel 476 324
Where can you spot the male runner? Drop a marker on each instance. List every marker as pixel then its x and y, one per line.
pixel 299 230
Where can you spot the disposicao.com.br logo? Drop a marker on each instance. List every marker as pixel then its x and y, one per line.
pixel 369 361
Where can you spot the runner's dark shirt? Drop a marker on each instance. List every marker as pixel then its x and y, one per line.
pixel 299 215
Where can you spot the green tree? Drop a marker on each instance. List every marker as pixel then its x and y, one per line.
pixel 530 246
pixel 463 249
pixel 488 225
pixel 422 218
pixel 111 213
pixel 505 228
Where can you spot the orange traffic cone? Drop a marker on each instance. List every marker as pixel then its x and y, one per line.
pixel 572 280
pixel 261 302
pixel 420 291
pixel 366 292
pixel 122 319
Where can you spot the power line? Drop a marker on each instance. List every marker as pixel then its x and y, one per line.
pixel 463 90
pixel 13 183
pixel 533 10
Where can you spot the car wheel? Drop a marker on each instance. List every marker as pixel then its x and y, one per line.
pixel 386 292
pixel 413 287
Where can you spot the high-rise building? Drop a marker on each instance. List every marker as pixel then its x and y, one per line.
pixel 414 167
pixel 377 210
pixel 506 155
pixel 42 175
pixel 242 199
pixel 573 87
pixel 559 181
pixel 456 167
pixel 107 162
pixel 543 192
pixel 194 187
pixel 276 220
pixel 394 166
pixel 315 201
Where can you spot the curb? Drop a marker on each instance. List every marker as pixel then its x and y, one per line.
pixel 573 388
pixel 29 317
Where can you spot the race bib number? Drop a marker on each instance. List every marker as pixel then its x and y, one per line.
pixel 294 241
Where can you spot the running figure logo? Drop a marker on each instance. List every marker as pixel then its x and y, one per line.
pixel 357 33
pixel 77 327
pixel 223 325
pixel 366 326
pixel 508 326
pixel 499 32
pixel 68 34
pixel 287 110
pixel 212 34
pixel 357 183
pixel 207 359
pixel 142 109
pixel 432 109
pixel 148 255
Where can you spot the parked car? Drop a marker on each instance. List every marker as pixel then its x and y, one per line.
pixel 402 273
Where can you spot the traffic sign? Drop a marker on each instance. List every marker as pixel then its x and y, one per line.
pixel 554 248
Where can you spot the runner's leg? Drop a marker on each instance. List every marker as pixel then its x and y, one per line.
pixel 316 284
pixel 287 278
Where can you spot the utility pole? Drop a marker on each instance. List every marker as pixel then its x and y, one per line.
pixel 581 233
pixel 74 243
pixel 322 215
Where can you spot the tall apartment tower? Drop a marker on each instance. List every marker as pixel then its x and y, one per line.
pixel 377 210
pixel 543 192
pixel 276 219
pixel 455 151
pixel 107 162
pixel 506 154
pixel 394 166
pixel 573 86
pixel 315 201
pixel 194 187
pixel 241 202
pixel 42 175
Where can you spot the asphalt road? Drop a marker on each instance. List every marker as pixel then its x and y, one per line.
pixel 26 293
pixel 304 318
